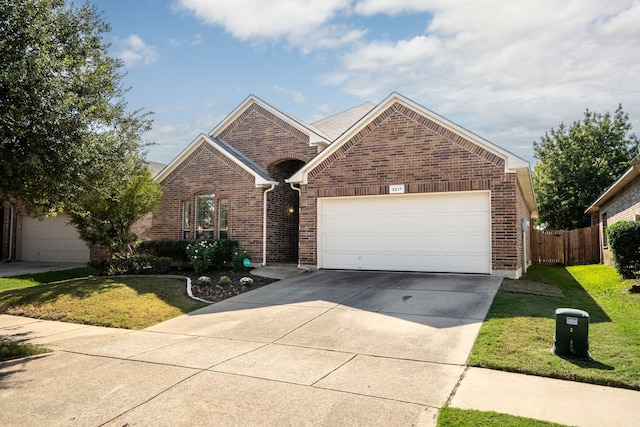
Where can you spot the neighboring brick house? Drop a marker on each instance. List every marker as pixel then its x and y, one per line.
pixel 619 202
pixel 52 239
pixel 391 186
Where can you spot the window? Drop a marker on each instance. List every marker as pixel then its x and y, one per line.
pixel 605 243
pixel 205 206
pixel 223 228
pixel 186 219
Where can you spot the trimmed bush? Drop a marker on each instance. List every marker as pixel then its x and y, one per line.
pixel 238 257
pixel 177 250
pixel 137 264
pixel 174 249
pixel 624 241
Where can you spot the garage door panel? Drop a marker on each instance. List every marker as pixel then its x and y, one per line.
pixel 51 240
pixel 447 232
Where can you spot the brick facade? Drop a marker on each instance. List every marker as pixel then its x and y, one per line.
pixel 209 171
pixel 623 206
pixel 274 145
pixel 267 139
pixel 401 146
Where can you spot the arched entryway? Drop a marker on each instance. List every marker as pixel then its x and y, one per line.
pixel 282 214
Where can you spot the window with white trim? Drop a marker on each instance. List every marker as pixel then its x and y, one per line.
pixel 205 219
pixel 186 219
pixel 223 227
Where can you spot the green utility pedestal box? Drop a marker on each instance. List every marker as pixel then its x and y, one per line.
pixel 572 333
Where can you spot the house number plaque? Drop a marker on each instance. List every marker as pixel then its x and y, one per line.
pixel 396 189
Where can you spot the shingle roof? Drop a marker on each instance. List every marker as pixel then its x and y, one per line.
pixel 243 159
pixel 336 125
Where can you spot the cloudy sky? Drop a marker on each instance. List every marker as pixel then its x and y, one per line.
pixel 508 70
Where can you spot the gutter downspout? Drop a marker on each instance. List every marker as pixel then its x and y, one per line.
pixel 264 224
pixel 299 194
pixel 11 233
pixel 525 228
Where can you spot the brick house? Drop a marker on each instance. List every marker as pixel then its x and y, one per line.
pixel 619 202
pixel 52 239
pixel 391 186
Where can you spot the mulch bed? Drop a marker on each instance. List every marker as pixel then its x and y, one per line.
pixel 215 292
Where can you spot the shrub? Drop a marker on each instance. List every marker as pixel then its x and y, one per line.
pixel 624 241
pixel 200 254
pixel 174 249
pixel 238 259
pixel 225 281
pixel 182 251
pixel 137 264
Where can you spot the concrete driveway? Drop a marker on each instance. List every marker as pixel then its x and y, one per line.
pixel 18 268
pixel 321 348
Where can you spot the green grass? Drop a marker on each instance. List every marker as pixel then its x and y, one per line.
pixel 28 280
pixel 9 350
pixel 454 417
pixel 518 332
pixel 132 302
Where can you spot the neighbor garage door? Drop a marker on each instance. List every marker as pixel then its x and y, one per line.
pixel 50 240
pixel 443 232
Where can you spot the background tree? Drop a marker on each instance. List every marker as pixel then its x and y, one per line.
pixel 106 219
pixel 576 164
pixel 64 127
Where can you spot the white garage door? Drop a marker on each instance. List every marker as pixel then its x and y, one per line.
pixel 50 240
pixel 443 232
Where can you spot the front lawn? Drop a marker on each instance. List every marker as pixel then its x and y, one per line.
pixel 119 302
pixel 518 332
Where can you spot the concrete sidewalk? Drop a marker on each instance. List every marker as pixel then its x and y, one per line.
pixel 548 399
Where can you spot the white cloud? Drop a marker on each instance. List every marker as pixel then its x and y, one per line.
pixel 196 40
pixel 133 51
pixel 509 70
pixel 301 23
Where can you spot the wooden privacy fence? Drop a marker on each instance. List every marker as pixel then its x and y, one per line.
pixel 566 247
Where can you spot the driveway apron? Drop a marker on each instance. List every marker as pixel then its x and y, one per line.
pixel 321 348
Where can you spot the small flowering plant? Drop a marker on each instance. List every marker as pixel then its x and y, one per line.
pixel 204 280
pixel 246 281
pixel 200 254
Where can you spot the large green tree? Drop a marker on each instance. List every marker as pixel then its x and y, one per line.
pixel 106 219
pixel 576 164
pixel 65 130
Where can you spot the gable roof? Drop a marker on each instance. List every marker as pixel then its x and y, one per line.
pixel 261 176
pixel 153 167
pixel 316 137
pixel 512 162
pixel 335 125
pixel 629 175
